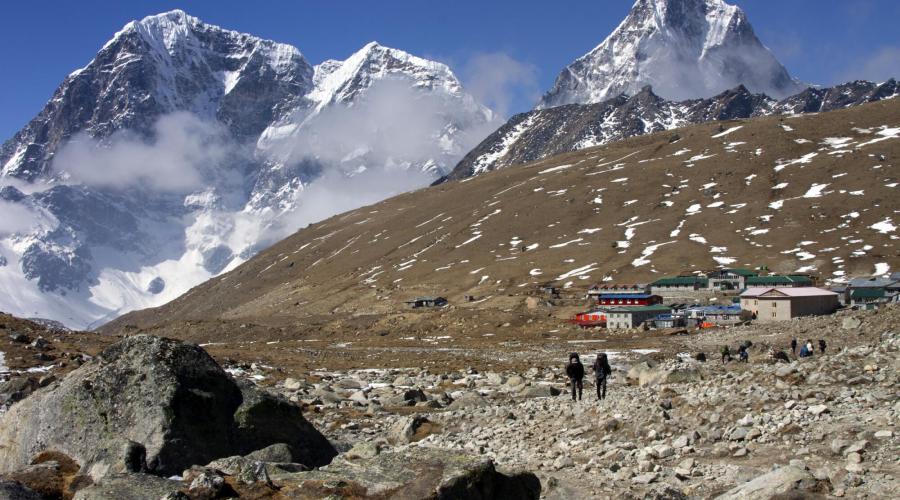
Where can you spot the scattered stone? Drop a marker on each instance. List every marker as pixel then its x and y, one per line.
pixel 293 384
pixel 851 323
pixel 539 391
pixel 781 481
pixel 131 486
pixel 416 472
pixel 404 431
pixel 817 409
pixel 645 478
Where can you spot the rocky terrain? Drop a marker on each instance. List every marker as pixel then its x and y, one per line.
pixel 672 426
pixel 156 418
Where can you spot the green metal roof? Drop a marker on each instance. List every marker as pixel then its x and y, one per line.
pixel 742 272
pixel 651 309
pixel 681 280
pixel 867 293
pixel 777 280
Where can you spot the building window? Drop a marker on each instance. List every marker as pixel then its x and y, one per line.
pixel 774 314
pixel 755 302
pixel 774 304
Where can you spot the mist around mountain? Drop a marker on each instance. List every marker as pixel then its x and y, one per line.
pixel 183 148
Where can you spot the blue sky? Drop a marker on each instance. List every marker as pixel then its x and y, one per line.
pixel 820 41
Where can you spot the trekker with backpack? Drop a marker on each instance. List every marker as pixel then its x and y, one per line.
pixel 602 371
pixel 575 372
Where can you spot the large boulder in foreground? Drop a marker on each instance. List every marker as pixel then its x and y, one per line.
pixel 784 481
pixel 414 472
pixel 149 404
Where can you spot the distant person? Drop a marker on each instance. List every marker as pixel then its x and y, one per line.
pixel 822 346
pixel 743 354
pixel 809 347
pixel 602 371
pixel 575 372
pixel 726 354
pixel 804 352
pixel 794 346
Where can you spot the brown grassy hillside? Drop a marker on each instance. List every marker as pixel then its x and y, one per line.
pixel 817 193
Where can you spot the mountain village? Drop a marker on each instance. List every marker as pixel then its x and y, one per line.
pixel 233 273
pixel 727 297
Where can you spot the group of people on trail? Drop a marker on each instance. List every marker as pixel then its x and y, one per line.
pixel 743 352
pixel 807 349
pixel 575 372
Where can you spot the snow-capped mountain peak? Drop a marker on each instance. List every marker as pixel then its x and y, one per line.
pixel 341 81
pixel 683 48
pixel 182 148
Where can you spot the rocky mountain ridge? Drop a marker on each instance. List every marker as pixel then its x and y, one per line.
pixel 541 133
pixel 683 48
pixel 183 148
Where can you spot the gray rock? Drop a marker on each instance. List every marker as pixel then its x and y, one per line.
pixel 416 472
pixel 468 400
pixel 364 450
pixel 404 430
pixel 359 397
pixel 276 453
pixel 348 383
pixel 785 371
pixel 169 397
pixel 857 447
pixel 645 478
pixel 292 384
pixel 264 419
pixel 817 409
pixel 11 490
pixel 539 391
pixel 739 434
pixel 563 462
pixel 130 486
pixel 838 445
pixel 781 481
pixel 851 323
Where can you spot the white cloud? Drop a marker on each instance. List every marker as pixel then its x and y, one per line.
pixel 393 123
pixel 880 66
pixel 498 80
pixel 182 151
pixel 16 218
